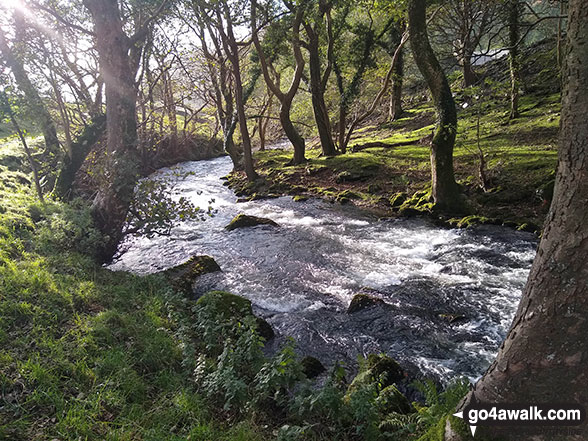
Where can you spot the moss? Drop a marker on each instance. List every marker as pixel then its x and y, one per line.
pixel 226 305
pixel 182 276
pixel 397 199
pixel 473 220
pixel 346 196
pixel 379 369
pixel 529 227
pixel 245 220
pixel 391 400
pixel 300 198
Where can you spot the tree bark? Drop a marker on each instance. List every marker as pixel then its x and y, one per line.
pixel 514 61
pixel 444 188
pixel 112 202
pixel 232 50
pixel 318 78
pixel 219 77
pixel 396 96
pixel 544 358
pixel 81 147
pixel 321 114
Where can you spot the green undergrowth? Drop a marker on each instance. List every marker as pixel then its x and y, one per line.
pixel 91 354
pixel 87 353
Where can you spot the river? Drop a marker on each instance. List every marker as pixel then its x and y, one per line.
pixel 302 276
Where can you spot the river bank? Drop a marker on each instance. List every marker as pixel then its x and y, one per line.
pixel 393 179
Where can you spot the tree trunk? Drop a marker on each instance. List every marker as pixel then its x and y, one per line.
pixel 37 108
pixel 445 190
pixel 544 358
pixel 113 199
pixel 285 99
pixel 81 147
pixel 321 115
pixel 396 96
pixel 469 76
pixel 514 57
pixel 232 51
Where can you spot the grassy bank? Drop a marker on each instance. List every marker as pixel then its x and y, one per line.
pixel 86 353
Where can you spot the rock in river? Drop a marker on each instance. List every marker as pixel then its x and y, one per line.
pixel 245 220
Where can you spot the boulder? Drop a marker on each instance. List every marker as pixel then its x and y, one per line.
pixel 392 400
pixel 182 276
pixel 312 367
pixel 363 301
pixel 227 306
pixel 378 369
pixel 245 220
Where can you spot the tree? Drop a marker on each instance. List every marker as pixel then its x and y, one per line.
pixel 119 56
pixel 35 104
pixel 317 22
pixel 273 84
pixel 353 60
pixel 221 83
pixel 543 358
pixel 464 23
pixel 513 8
pixel 445 190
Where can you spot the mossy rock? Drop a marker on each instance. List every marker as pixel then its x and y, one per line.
pixel 245 220
pixel 380 369
pixel 392 400
pixel 373 189
pixel 182 276
pixel 264 329
pixel 529 227
pixel 227 306
pixel 312 367
pixel 361 174
pixel 471 221
pixel 300 198
pixel 363 301
pixel 453 318
pixel 396 200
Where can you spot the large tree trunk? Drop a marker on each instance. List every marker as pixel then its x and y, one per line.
pixel 321 114
pixel 113 199
pixel 396 96
pixel 232 50
pixel 37 108
pixel 445 190
pixel 544 358
pixel 469 76
pixel 514 61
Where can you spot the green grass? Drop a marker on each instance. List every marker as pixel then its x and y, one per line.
pixel 87 353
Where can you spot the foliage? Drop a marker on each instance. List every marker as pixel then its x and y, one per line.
pixel 155 210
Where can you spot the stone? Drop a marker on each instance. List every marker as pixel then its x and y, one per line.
pixel 182 276
pixel 392 400
pixel 312 367
pixel 363 301
pixel 245 220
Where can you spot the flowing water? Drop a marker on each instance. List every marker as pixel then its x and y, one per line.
pixel 302 276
